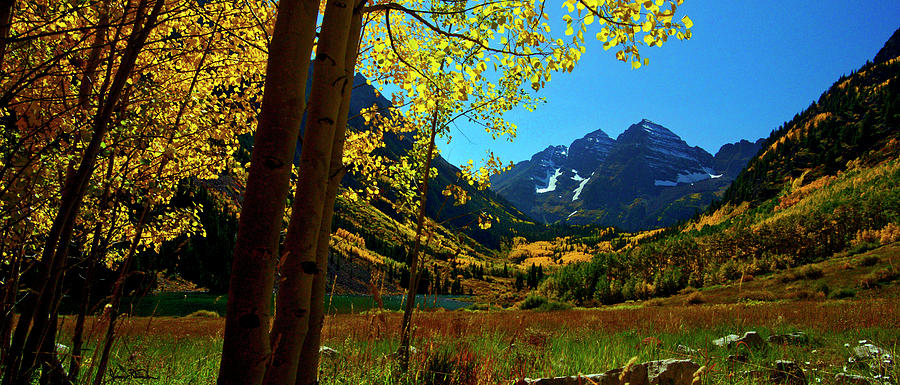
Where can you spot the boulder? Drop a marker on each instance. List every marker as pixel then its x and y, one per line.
pixel 876 358
pixel 787 372
pixel 794 338
pixel 636 375
pixel 851 379
pixel 665 372
pixel 728 340
pixel 751 339
pixel 671 372
pixel 570 380
pixel 325 351
pixel 681 349
pixel 870 352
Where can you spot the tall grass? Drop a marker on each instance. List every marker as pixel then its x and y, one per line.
pixel 500 347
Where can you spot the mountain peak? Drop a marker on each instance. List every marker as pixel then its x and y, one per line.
pixel 598 134
pixel 891 48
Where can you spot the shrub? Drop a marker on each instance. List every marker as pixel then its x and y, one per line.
pixel 877 277
pixel 869 260
pixel 553 306
pixel 532 302
pixel 823 288
pixel 811 272
pixel 729 271
pixel 204 314
pixel 842 293
pixel 764 296
pixel 862 248
pixel 694 298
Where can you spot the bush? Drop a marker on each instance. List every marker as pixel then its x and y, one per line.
pixel 873 279
pixel 869 260
pixel 204 314
pixel 823 288
pixel 811 272
pixel 862 248
pixel 554 306
pixel 532 302
pixel 842 293
pixel 694 298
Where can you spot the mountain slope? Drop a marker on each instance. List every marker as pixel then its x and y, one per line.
pixel 825 187
pixel 647 177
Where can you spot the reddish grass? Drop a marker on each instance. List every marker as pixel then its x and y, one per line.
pixel 814 315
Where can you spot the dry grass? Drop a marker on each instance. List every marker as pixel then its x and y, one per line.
pixel 826 316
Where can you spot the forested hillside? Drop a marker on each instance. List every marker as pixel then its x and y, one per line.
pixel 826 185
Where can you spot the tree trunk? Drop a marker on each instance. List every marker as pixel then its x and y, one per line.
pixel 405 333
pixel 246 349
pixel 308 366
pixel 299 265
pixel 7 7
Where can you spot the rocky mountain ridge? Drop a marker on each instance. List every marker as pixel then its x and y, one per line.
pixel 647 177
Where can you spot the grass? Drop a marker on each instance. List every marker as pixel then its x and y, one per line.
pixel 501 346
pixel 205 304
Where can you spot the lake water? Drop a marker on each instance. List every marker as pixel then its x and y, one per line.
pixel 182 304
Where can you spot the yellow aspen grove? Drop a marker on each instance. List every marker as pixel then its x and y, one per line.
pixel 246 350
pixel 56 247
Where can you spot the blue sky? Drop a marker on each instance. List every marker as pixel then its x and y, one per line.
pixel 750 66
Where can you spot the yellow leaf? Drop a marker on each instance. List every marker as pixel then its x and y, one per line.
pixel 687 22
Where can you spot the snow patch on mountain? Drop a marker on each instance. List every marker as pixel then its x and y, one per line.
pixel 576 177
pixel 551 185
pixel 692 177
pixel 583 182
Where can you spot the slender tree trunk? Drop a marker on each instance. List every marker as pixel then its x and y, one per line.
pixel 93 61
pixel 299 266
pixel 246 348
pixel 308 366
pixel 7 7
pixel 56 245
pixel 405 334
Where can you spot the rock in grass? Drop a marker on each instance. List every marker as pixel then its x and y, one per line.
pixel 325 351
pixel 602 379
pixel 787 372
pixel 728 340
pixel 665 372
pixel 684 350
pixel 794 338
pixel 870 352
pixel 671 372
pixel 751 339
pixel 851 379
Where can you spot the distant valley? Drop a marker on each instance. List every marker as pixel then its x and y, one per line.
pixel 648 177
